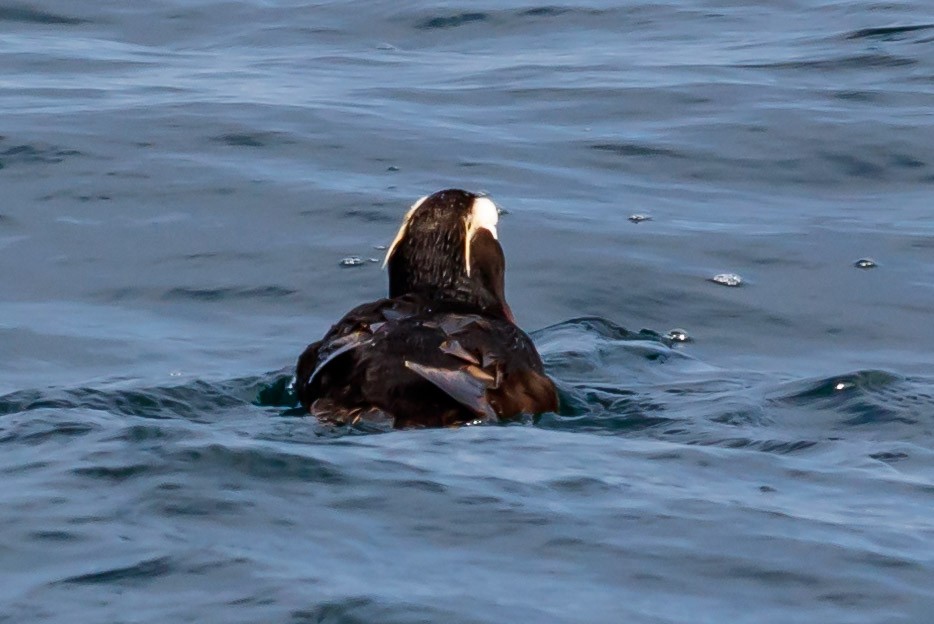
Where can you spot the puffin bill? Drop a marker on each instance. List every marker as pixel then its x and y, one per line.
pixel 443 348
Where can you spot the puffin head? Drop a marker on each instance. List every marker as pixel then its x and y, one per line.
pixel 447 248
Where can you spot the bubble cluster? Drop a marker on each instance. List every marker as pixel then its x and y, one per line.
pixel 352 261
pixel 678 335
pixel 727 279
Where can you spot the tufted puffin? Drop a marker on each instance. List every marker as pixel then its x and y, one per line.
pixel 443 349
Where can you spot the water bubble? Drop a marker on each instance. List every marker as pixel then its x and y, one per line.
pixel 678 335
pixel 727 279
pixel 351 261
pixel 865 263
pixel 639 218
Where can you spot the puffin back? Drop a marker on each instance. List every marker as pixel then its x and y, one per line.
pixel 420 368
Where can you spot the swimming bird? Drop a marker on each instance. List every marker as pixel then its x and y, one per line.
pixel 443 348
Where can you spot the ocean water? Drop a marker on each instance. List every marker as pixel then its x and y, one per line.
pixel 180 180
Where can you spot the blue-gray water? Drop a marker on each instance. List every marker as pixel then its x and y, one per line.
pixel 179 180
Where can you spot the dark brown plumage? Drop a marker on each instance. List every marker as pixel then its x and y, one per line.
pixel 443 348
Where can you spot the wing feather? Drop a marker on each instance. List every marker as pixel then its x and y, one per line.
pixel 463 385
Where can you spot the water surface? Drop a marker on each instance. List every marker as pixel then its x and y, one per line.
pixel 181 180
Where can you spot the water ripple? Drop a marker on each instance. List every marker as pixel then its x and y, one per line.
pixel 13 13
pixel 225 294
pixel 195 400
pixel 264 463
pixel 865 398
pixel 139 572
pixel 452 21
pixel 888 33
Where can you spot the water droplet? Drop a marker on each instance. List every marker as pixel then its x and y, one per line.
pixel 351 261
pixel 727 279
pixel 865 263
pixel 678 335
pixel 639 218
pixel 842 385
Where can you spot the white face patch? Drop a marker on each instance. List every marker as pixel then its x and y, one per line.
pixel 483 215
pixel 401 233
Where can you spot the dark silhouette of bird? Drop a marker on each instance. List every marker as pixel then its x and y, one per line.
pixel 443 349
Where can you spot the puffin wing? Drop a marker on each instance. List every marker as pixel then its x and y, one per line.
pixel 488 366
pixel 423 367
pixel 357 329
pixel 502 351
pixel 467 385
pixel 339 347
